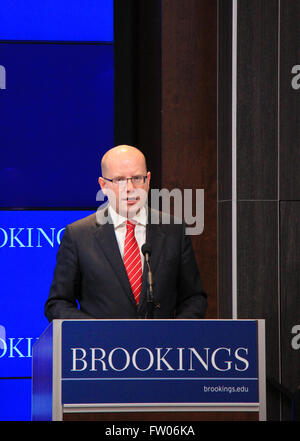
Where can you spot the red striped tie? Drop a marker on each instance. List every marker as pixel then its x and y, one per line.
pixel 132 261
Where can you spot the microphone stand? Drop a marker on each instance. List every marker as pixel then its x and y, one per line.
pixel 146 250
pixel 150 297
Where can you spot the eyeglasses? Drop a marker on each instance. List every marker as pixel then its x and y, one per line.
pixel 135 180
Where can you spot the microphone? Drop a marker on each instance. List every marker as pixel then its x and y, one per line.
pixel 146 250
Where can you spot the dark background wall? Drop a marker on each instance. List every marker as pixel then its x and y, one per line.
pixel 265 189
pixel 237 138
pixel 171 93
pixel 189 118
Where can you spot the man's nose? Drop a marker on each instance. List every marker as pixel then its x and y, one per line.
pixel 129 185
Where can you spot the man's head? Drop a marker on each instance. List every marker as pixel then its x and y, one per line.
pixel 117 165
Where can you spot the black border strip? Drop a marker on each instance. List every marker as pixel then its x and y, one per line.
pixel 15 378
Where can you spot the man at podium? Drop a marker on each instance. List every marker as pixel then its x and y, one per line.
pixel 125 261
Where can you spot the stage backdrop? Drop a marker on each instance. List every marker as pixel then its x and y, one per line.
pixel 56 121
pixel 259 181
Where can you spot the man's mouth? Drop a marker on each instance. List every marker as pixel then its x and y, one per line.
pixel 132 199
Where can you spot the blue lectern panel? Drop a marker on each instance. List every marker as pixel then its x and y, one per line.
pixel 90 20
pixel 29 241
pixel 56 121
pixel 159 361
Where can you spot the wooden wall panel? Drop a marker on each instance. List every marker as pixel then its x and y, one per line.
pixel 160 416
pixel 289 100
pixel 224 100
pixel 189 125
pixel 149 77
pixel 257 269
pixel 257 273
pixel 257 90
pixel 290 298
pixel 268 182
pixel 225 259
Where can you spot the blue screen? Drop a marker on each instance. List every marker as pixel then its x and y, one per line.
pixel 56 121
pixel 15 400
pixel 29 241
pixel 76 20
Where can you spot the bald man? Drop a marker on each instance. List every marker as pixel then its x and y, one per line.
pixel 119 162
pixel 101 271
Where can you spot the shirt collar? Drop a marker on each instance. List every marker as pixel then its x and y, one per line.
pixel 118 219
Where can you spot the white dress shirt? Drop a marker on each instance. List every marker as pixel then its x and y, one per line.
pixel 119 222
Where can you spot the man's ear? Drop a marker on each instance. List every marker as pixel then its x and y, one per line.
pixel 102 184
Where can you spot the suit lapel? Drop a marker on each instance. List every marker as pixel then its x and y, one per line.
pixel 156 238
pixel 106 238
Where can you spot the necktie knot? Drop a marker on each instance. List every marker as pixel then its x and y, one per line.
pixel 130 225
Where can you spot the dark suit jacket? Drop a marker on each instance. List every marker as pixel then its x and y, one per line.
pixel 90 271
